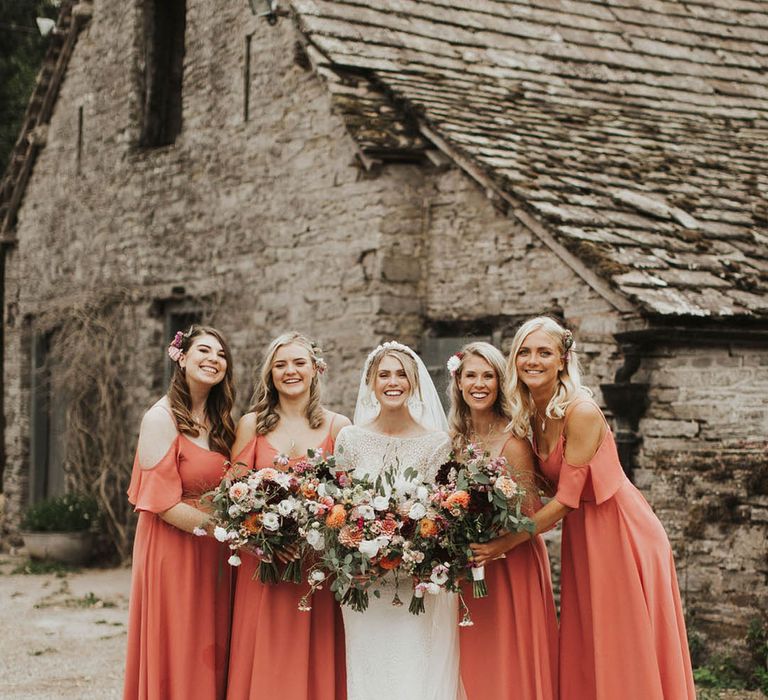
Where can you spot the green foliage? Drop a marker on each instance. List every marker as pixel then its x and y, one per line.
pixel 720 672
pixel 21 54
pixel 37 567
pixel 69 513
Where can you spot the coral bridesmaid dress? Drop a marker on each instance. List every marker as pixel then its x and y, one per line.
pixel 622 631
pixel 181 587
pixel 511 650
pixel 278 651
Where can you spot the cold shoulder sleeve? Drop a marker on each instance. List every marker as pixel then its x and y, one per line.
pixel 159 488
pixel 593 482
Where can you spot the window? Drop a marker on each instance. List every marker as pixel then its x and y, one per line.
pixel 48 423
pixel 164 25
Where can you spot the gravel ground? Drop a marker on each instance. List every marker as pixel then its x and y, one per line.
pixel 63 635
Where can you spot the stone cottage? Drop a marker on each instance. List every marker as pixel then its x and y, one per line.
pixel 429 170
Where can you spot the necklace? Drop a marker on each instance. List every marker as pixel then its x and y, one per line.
pixel 543 419
pixel 199 420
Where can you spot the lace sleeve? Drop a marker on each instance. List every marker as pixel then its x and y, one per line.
pixel 439 456
pixel 343 450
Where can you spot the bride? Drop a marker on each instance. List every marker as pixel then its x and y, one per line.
pixel 399 421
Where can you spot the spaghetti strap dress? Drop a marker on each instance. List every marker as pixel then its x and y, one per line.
pixel 277 650
pixel 511 650
pixel 181 585
pixel 622 630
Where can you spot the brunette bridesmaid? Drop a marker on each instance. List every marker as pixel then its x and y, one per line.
pixel 511 650
pixel 179 613
pixel 622 631
pixel 278 651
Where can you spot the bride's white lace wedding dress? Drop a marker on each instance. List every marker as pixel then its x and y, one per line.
pixel 390 652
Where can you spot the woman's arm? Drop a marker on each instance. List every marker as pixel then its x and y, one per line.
pixel 246 429
pixel 157 434
pixel 543 519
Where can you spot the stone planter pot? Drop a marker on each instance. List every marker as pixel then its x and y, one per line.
pixel 66 547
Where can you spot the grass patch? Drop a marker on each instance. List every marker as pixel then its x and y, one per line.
pixel 39 567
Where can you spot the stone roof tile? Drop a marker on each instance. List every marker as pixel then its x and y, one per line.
pixel 563 105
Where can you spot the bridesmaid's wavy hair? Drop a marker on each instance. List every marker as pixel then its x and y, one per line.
pixel 459 417
pixel 266 398
pixel 218 405
pixel 569 386
pixel 405 359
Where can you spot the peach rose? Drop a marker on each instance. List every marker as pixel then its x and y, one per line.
pixel 308 490
pixel 337 517
pixel 457 498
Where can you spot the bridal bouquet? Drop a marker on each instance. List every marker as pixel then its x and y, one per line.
pixel 262 510
pixel 358 529
pixel 479 499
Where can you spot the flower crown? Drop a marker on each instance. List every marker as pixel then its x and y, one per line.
pixel 454 362
pixel 174 349
pixel 389 345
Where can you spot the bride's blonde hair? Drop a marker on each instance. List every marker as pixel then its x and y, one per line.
pixel 569 387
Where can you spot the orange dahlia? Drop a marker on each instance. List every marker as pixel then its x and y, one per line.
pixel 337 517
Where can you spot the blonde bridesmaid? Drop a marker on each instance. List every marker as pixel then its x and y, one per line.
pixel 622 631
pixel 511 650
pixel 178 626
pixel 278 651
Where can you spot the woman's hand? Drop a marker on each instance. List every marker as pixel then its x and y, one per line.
pixel 495 549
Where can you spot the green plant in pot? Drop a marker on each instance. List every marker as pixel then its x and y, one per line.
pixel 61 528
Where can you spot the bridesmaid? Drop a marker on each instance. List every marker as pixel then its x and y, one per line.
pixel 179 612
pixel 278 651
pixel 622 632
pixel 511 651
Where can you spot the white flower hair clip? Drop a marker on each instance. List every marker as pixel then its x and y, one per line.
pixel 454 362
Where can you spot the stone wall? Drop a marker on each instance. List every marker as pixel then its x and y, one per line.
pixel 270 223
pixel 703 466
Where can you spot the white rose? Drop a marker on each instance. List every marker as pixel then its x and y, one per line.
pixel 282 479
pixel 370 547
pixel 220 534
pixel 286 507
pixel 381 503
pixel 270 521
pixel 315 539
pixel 317 576
pixel 234 511
pixel 238 491
pixel 417 511
pixel 234 560
pixel 366 512
pixel 422 493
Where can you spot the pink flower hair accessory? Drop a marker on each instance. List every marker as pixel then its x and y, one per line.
pixel 454 362
pixel 321 365
pixel 174 349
